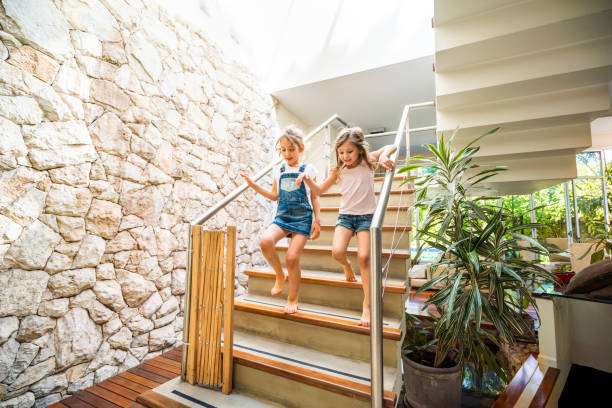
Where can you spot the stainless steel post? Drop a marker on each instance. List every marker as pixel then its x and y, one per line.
pixel 568 215
pixel 576 220
pixel 604 189
pixel 534 233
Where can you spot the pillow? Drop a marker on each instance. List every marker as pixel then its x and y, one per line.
pixel 593 277
pixel 603 293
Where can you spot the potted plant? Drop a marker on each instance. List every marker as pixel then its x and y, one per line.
pixel 481 290
pixel 563 273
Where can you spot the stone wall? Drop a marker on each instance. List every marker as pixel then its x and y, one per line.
pixel 118 125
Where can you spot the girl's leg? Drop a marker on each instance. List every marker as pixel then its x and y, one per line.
pixel 363 258
pixel 342 236
pixel 267 243
pixel 293 269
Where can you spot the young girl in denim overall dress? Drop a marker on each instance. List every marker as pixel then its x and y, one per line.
pixel 354 173
pixel 297 214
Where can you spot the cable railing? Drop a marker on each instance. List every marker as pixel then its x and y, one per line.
pixel 216 208
pixel 376 267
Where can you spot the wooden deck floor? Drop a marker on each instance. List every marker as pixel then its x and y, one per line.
pixel 123 389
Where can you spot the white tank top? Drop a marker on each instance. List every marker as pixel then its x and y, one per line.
pixel 357 190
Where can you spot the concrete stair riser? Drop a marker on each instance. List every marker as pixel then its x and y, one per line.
pixel 329 340
pixel 327 236
pixel 334 296
pixel 329 217
pixel 396 185
pixel 289 393
pixel 324 262
pixel 394 199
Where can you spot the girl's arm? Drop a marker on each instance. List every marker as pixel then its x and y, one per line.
pixel 382 156
pixel 318 189
pixel 269 194
pixel 316 211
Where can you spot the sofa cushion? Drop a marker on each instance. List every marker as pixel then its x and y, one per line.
pixel 593 277
pixel 602 293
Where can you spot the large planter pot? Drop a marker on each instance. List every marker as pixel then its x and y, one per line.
pixel 429 387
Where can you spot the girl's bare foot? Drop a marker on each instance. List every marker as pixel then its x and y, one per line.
pixel 278 286
pixel 349 274
pixel 291 307
pixel 365 317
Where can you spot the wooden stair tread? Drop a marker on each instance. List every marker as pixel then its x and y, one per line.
pixel 153 399
pixel 326 249
pixel 293 362
pixel 406 191
pixel 529 384
pixel 328 279
pixel 317 315
pixel 394 178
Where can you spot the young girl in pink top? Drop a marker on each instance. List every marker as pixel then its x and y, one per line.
pixel 355 174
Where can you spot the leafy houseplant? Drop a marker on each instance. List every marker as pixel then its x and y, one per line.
pixel 602 242
pixel 481 290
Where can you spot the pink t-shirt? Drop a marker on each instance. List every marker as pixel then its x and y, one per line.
pixel 357 190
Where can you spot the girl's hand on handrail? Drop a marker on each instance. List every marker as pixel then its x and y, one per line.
pixel 385 162
pixel 248 180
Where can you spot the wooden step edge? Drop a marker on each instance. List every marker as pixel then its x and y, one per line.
pixel 407 191
pixel 315 320
pixel 545 389
pixel 384 227
pixel 152 399
pixel 310 377
pixel 389 208
pixel 518 384
pixel 349 251
pixel 318 280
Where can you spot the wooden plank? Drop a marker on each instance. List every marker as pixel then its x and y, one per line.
pixel 120 390
pixel 318 280
pixel 228 323
pixel 514 390
pixel 138 405
pixel 110 396
pixel 74 402
pixel 58 405
pixel 94 400
pixel 167 367
pixel 153 399
pixel 193 304
pixel 317 320
pixel 142 372
pixel 159 371
pixel 310 377
pixel 132 385
pixel 168 361
pixel 540 399
pixel 204 310
pixel 147 382
pixel 217 363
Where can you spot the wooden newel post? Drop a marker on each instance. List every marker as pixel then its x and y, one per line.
pixel 211 304
pixel 228 323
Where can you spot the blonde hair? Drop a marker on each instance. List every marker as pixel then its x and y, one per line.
pixel 355 136
pixel 294 135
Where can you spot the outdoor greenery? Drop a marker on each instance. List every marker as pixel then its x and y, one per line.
pixel 550 204
pixel 482 292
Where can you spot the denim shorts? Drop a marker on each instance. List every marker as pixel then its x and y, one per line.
pixel 355 223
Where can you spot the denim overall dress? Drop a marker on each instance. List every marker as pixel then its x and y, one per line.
pixel 294 212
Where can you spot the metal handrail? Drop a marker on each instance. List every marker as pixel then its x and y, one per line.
pixel 210 213
pixel 376 345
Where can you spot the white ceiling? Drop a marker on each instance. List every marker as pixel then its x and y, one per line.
pixel 370 99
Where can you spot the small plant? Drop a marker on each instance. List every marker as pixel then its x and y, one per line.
pixel 602 242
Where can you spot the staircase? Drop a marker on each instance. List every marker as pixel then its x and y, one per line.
pixel 320 356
